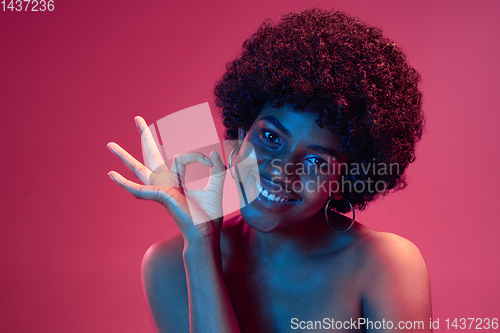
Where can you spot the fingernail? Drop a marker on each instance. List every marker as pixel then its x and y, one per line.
pixel 137 124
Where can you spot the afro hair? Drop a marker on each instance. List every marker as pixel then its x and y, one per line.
pixel 356 80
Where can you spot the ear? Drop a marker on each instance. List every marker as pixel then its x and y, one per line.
pixel 241 135
pixel 336 195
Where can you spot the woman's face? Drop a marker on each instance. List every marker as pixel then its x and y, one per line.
pixel 298 167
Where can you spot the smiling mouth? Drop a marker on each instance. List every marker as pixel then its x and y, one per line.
pixel 271 196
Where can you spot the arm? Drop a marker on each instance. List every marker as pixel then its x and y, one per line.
pixel 210 308
pixel 198 214
pixel 164 279
pixel 398 288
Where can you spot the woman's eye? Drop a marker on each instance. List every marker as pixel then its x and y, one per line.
pixel 315 160
pixel 319 163
pixel 271 137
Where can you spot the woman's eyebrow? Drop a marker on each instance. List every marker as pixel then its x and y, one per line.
pixel 276 123
pixel 332 152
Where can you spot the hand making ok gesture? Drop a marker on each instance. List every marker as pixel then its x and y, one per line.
pixel 197 212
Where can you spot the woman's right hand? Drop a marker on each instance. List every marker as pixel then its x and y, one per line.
pixel 198 213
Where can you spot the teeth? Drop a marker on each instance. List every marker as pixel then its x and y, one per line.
pixel 270 196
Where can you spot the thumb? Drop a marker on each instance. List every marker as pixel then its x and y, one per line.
pixel 217 172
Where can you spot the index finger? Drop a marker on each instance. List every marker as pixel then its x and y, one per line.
pixel 153 155
pixel 139 170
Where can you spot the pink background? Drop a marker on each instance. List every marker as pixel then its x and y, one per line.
pixel 71 80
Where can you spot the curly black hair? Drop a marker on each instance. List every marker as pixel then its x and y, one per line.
pixel 356 80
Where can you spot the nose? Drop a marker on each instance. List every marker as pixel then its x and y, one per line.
pixel 275 167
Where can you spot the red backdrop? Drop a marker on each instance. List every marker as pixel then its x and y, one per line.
pixel 73 79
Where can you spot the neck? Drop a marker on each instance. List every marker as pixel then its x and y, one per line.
pixel 306 238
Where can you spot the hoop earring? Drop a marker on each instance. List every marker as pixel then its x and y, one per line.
pixel 327 208
pixel 231 159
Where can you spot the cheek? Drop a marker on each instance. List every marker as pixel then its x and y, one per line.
pixel 253 149
pixel 316 189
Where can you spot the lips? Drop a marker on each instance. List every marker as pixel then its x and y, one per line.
pixel 273 192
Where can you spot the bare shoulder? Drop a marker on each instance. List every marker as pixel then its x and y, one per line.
pixel 164 283
pixel 164 252
pixel 163 261
pixel 396 279
pixel 386 252
pixel 164 278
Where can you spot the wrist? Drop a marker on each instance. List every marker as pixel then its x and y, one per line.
pixel 202 232
pixel 201 243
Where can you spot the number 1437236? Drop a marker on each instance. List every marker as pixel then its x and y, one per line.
pixel 28 5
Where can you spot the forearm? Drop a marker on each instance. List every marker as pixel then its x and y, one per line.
pixel 210 308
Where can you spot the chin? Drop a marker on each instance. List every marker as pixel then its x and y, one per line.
pixel 259 221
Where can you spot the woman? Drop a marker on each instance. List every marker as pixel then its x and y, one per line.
pixel 331 111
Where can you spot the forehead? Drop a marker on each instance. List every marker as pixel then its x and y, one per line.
pixel 301 125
